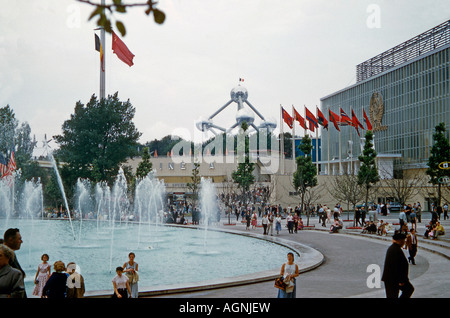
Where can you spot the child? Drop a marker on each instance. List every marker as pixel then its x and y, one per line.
pixel 42 275
pixel 121 284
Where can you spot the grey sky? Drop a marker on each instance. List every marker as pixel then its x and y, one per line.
pixel 289 52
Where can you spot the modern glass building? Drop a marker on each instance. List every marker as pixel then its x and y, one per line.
pixel 405 93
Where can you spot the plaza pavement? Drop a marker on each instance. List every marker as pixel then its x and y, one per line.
pixel 334 265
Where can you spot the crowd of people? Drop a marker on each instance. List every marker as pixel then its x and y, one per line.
pixel 64 281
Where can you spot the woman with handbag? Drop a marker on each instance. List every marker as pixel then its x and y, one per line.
pixel 289 271
pixel 131 271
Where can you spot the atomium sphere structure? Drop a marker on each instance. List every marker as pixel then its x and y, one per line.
pixel 239 95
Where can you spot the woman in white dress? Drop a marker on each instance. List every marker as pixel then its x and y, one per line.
pixel 42 275
pixel 131 271
pixel 289 271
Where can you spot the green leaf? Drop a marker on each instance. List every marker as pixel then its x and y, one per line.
pixel 121 28
pixel 159 16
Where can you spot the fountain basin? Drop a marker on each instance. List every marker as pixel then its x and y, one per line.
pixel 166 255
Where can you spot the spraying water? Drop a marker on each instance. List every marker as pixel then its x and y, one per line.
pixel 61 187
pixel 209 205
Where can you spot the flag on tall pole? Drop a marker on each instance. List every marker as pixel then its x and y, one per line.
pixel 334 118
pixel 345 119
pixel 299 118
pixel 3 165
pixel 311 119
pixel 99 48
pixel 366 119
pixel 121 50
pixel 321 119
pixel 287 118
pixel 356 123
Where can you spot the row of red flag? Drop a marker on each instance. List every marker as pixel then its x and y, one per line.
pixel 319 119
pixel 7 168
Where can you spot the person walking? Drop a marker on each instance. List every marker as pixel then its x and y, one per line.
pixel 131 271
pixel 289 272
pixel 11 279
pixel 395 272
pixel 278 223
pixel 270 225
pixel 42 275
pixel 411 245
pixel 265 223
pixel 13 239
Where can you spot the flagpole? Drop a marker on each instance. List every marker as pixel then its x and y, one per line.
pixel 328 146
pixel 102 67
pixel 293 140
pixel 340 150
pixel 281 140
pixel 317 144
pixel 351 145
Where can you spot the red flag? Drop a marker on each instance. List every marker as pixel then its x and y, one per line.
pixel 299 118
pixel 12 162
pixel 356 122
pixel 334 118
pixel 366 119
pixel 345 120
pixel 321 118
pixel 287 118
pixel 121 50
pixel 312 120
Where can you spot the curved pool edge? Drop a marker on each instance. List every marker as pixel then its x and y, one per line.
pixel 309 260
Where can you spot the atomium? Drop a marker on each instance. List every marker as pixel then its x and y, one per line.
pixel 239 95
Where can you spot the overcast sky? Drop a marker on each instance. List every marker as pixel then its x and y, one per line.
pixel 289 52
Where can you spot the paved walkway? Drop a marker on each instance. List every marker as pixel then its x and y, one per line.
pixel 345 268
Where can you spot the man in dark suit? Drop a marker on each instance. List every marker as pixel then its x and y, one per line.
pixel 395 273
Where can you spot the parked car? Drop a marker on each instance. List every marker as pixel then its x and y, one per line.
pixel 395 206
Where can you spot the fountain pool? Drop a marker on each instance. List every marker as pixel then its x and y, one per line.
pixel 166 254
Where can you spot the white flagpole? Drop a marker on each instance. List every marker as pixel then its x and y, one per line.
pixel 102 70
pixel 281 140
pixel 328 146
pixel 340 150
pixel 293 140
pixel 317 142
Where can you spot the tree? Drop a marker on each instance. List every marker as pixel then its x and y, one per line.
pixel 401 184
pixel 440 152
pixel 106 11
pixel 8 126
pixel 305 176
pixel 368 173
pixel 243 176
pixel 346 188
pixel 145 166
pixel 97 138
pixel 194 186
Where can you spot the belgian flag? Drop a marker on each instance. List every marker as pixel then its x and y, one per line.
pixel 99 48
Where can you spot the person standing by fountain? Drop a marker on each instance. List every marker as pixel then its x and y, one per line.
pixel 121 284
pixel 13 240
pixel 42 275
pixel 56 287
pixel 289 271
pixel 131 271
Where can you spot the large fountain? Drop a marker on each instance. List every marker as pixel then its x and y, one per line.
pixel 107 224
